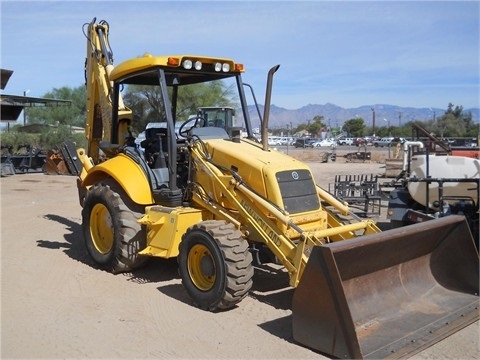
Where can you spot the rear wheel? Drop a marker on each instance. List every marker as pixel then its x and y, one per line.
pixel 215 265
pixel 112 235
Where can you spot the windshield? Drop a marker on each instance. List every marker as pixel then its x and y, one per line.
pixel 216 100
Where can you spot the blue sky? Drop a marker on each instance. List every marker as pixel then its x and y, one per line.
pixel 406 53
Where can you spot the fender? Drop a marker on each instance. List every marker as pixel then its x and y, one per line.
pixel 127 173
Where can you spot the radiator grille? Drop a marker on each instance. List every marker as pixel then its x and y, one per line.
pixel 298 191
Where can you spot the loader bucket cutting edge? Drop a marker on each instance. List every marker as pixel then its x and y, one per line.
pixel 391 294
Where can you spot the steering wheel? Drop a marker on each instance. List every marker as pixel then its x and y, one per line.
pixel 198 122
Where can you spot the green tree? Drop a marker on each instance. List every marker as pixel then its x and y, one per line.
pixel 355 127
pixel 214 93
pixel 59 120
pixel 56 135
pixel 312 127
pixel 299 129
pixel 316 125
pixel 455 123
pixel 146 105
pixel 73 114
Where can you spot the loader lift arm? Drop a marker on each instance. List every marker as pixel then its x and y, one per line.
pixel 251 209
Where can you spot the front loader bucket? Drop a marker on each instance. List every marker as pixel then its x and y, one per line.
pixel 390 294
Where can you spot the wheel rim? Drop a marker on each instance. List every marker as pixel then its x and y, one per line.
pixel 201 267
pixel 101 228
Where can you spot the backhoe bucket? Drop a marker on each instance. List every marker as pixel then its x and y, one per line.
pixel 390 294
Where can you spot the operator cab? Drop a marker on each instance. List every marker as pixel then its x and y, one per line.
pixel 170 86
pixel 220 117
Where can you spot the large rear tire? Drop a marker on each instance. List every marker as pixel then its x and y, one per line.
pixel 215 265
pixel 112 235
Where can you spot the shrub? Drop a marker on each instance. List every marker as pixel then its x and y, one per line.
pixel 46 140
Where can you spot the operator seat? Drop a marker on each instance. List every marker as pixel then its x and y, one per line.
pixel 152 139
pixel 219 123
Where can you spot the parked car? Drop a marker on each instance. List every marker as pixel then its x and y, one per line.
pixel 304 142
pixel 324 143
pixel 359 141
pixel 345 141
pixel 384 141
pixel 368 139
pixel 274 141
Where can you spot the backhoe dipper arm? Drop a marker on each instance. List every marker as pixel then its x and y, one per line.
pixel 102 123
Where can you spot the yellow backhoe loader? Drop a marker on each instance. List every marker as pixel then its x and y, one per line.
pixel 220 202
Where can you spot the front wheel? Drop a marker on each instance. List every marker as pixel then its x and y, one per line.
pixel 215 265
pixel 112 235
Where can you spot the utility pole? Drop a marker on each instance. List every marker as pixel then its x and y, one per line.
pixel 289 135
pixel 25 92
pixel 434 119
pixel 373 121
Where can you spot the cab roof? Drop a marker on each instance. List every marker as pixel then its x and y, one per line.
pixel 143 70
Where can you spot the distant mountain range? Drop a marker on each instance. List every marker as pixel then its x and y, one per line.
pixel 335 115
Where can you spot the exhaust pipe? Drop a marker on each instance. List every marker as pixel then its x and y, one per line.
pixel 266 110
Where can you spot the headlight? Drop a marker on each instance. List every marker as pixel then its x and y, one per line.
pixel 198 65
pixel 225 67
pixel 187 64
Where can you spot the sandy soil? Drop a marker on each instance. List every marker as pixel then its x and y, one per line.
pixel 55 304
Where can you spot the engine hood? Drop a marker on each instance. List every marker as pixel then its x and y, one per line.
pixel 284 180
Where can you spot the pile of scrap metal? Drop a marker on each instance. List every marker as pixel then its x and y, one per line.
pixel 6 167
pixel 59 160
pixel 362 192
pixel 27 158
pixel 326 156
pixel 55 164
pixel 358 156
pixel 33 160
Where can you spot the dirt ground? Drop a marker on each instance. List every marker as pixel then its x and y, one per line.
pixel 55 304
